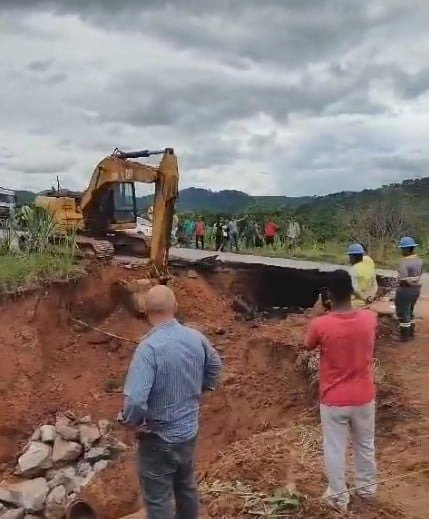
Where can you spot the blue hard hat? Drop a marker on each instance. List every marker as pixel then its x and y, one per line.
pixel 355 248
pixel 406 241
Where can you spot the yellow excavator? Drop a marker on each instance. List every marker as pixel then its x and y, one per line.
pixel 106 210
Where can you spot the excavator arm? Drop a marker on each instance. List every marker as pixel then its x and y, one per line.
pixel 118 168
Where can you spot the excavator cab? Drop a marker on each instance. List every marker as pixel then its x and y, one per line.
pixel 125 207
pixel 119 206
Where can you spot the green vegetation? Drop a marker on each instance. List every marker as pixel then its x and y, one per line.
pixel 255 503
pixel 376 218
pixel 30 258
pixel 328 224
pixel 18 271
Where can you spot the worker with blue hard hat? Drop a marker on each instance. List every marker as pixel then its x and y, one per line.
pixel 408 287
pixel 363 276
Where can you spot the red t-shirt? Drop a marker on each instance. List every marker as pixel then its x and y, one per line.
pixel 270 229
pixel 346 343
pixel 200 229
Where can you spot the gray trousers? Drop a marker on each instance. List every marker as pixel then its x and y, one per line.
pixel 233 241
pixel 337 425
pixel 405 301
pixel 166 470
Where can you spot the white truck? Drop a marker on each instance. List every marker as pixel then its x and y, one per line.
pixel 7 203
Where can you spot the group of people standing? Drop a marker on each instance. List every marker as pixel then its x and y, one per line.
pixel 226 233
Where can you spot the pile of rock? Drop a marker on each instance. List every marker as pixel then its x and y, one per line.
pixel 56 463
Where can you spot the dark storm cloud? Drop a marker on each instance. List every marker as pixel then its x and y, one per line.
pixel 39 65
pixel 199 99
pixel 44 167
pixel 327 74
pixel 415 166
pixel 412 85
pixel 277 31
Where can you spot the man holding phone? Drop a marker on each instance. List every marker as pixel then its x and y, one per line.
pixel 346 337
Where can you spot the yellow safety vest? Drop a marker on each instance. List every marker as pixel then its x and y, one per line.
pixel 365 283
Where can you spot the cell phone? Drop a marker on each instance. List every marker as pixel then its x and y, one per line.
pixel 325 297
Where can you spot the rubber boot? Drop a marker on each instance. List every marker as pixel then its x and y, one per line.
pixel 404 333
pixel 412 330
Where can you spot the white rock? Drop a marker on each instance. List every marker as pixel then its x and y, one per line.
pixel 54 511
pixel 57 495
pixel 55 503
pixel 30 495
pixel 89 434
pixel 65 451
pixel 120 446
pixel 14 513
pixel 61 420
pixel 35 460
pixel 85 474
pixel 47 433
pixel 98 453
pixel 67 432
pixel 65 477
pixel 36 436
pixel 104 426
pixel 86 419
pixel 84 469
pixel 100 465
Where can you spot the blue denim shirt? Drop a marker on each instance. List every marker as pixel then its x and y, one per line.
pixel 168 373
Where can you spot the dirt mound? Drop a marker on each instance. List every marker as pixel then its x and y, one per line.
pixel 272 458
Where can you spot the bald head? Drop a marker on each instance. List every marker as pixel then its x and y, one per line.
pixel 160 301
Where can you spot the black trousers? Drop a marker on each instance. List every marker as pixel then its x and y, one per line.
pixel 166 470
pixel 198 240
pixel 405 301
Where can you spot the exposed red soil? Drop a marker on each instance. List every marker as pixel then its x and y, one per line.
pixel 258 428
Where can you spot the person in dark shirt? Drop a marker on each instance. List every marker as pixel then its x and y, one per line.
pixel 408 287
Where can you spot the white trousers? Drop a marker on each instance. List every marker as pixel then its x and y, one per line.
pixel 338 423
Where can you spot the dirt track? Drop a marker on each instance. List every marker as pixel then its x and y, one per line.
pixel 260 428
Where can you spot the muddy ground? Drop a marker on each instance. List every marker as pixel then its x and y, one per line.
pixel 259 429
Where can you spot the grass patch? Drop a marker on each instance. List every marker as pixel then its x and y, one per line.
pixel 32 255
pixel 328 252
pixel 36 269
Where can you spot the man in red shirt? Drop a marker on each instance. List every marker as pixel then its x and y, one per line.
pixel 200 231
pixel 347 389
pixel 271 229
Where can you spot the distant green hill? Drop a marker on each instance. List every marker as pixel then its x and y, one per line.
pixel 195 199
pixel 25 197
pixel 227 201
pixel 415 192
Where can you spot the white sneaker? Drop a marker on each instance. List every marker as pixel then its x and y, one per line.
pixel 334 503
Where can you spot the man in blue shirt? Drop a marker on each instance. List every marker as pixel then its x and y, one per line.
pixel 170 369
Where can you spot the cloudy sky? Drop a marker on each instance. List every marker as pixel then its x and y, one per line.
pixel 287 97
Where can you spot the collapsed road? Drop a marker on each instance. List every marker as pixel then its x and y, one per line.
pixel 228 257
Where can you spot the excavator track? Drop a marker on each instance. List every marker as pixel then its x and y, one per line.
pixel 101 249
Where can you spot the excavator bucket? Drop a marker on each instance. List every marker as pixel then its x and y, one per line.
pixel 132 294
